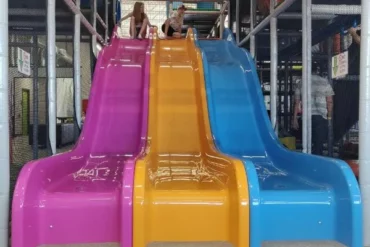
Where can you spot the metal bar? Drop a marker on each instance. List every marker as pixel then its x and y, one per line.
pixel 39 12
pixel 4 125
pixel 291 99
pixel 114 2
pixel 167 9
pixel 306 75
pixel 286 94
pixel 364 118
pixel 274 67
pixel 330 121
pixel 171 7
pixel 222 20
pixel 281 8
pixel 52 109
pixel 237 21
pixel 222 10
pixel 336 9
pixel 106 21
pixel 77 67
pixel 190 1
pixel 229 15
pixel 204 12
pixel 252 24
pixel 94 36
pixel 309 75
pixel 36 24
pixel 282 33
pixel 84 21
pixel 98 17
pixel 35 122
pixel 298 16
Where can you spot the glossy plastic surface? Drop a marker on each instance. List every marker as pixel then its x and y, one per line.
pixel 85 195
pixel 293 196
pixel 185 191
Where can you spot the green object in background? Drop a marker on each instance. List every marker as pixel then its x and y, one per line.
pixel 25 111
pixel 288 142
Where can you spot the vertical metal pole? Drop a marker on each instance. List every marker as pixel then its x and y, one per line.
pixel 286 94
pixel 4 125
pixel 306 75
pixel 52 107
pixel 77 67
pixel 273 69
pixel 253 22
pixel 167 9
pixel 35 122
pixel 222 21
pixel 364 130
pixel 309 75
pixel 106 21
pixel 170 9
pixel 114 2
pixel 93 16
pixel 237 21
pixel 229 14
pixel 291 100
pixel 330 122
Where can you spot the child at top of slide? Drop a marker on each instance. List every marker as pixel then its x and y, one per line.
pixel 173 25
pixel 139 21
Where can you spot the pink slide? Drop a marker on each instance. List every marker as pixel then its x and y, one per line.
pixel 85 196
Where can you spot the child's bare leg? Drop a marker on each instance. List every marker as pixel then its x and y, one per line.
pixel 132 28
pixel 167 25
pixel 176 35
pixel 143 28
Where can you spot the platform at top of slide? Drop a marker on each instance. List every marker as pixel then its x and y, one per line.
pixel 85 196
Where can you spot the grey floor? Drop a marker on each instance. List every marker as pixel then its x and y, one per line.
pixel 303 244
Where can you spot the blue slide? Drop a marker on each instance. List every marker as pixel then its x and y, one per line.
pixel 295 199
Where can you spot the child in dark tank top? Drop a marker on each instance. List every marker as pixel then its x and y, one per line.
pixel 139 21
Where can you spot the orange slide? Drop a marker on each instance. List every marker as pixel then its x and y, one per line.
pixel 185 191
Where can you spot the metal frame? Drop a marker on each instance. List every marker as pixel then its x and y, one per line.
pixel 35 122
pixel 84 21
pixel 51 74
pixel 364 118
pixel 321 12
pixel 4 126
pixel 275 13
pixel 221 18
pixel 336 9
pixel 274 69
pixel 77 66
pixel 253 22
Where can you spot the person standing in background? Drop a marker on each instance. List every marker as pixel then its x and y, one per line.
pixel 322 109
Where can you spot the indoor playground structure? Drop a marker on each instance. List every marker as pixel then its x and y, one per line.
pixel 177 150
